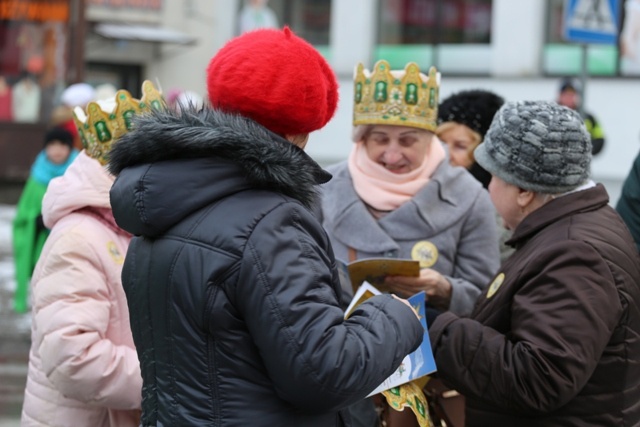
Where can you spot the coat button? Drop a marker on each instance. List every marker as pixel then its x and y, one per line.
pixel 390 254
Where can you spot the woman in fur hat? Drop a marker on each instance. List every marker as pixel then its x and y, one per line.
pixel 463 120
pixel 231 280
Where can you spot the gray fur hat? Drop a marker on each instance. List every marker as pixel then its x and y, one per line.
pixel 537 145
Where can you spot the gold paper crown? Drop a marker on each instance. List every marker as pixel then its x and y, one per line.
pixel 104 124
pixel 386 97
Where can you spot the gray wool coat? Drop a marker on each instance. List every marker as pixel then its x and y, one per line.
pixel 449 226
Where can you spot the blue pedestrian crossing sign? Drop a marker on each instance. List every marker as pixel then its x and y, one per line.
pixel 591 21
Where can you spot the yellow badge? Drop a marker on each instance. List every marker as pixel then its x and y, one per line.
pixel 495 285
pixel 425 252
pixel 115 253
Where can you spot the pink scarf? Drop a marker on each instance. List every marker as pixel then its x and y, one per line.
pixel 384 190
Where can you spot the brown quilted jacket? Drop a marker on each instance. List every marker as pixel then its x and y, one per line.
pixel 555 339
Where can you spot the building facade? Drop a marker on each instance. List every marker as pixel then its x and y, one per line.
pixel 514 48
pixel 39 52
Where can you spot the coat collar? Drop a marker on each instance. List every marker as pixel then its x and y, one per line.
pixel 449 194
pixel 561 207
pixel 267 160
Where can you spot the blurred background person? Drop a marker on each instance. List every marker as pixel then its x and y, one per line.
pixel 463 121
pixel 554 339
pixel 29 232
pixel 628 205
pixel 630 39
pixel 83 366
pixel 256 14
pixel 569 96
pixel 26 96
pixel 75 95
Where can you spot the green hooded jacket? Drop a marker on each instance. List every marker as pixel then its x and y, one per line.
pixel 28 239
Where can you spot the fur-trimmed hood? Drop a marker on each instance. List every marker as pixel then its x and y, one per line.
pixel 174 163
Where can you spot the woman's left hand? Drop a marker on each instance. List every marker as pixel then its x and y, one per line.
pixel 435 285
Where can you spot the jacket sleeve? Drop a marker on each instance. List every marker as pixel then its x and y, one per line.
pixel 477 257
pixel 318 361
pixel 71 314
pixel 628 205
pixel 562 318
pixel 596 132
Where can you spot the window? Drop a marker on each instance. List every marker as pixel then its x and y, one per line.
pixel 563 58
pixel 33 55
pixel 435 21
pixel 310 19
pixel 120 76
pixel 453 35
pixel 630 39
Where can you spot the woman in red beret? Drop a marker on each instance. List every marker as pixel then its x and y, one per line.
pixel 231 280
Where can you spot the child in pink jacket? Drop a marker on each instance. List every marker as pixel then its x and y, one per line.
pixel 83 367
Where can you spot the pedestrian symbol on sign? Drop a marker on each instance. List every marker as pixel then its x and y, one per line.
pixel 594 15
pixel 591 21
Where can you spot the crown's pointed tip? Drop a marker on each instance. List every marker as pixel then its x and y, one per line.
pixel 406 97
pixel 104 122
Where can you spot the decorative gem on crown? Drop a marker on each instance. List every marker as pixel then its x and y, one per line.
pixel 394 97
pixel 106 121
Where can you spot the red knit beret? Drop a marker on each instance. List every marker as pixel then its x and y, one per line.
pixel 275 78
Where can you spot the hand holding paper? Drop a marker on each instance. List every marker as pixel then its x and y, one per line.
pixel 374 271
pixel 434 284
pixel 420 362
pixel 415 365
pixel 407 303
pixel 404 387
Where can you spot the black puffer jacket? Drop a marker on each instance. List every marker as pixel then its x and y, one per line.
pixel 232 285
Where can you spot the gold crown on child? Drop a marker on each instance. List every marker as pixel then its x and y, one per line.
pixel 396 97
pixel 104 122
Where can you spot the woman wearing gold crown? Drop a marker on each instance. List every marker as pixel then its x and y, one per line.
pixel 397 197
pixel 83 366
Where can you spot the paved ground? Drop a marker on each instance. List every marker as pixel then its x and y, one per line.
pixel 14 331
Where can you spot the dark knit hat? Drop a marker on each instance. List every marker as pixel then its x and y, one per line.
pixel 537 145
pixel 472 108
pixel 275 78
pixel 58 134
pixel 569 83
